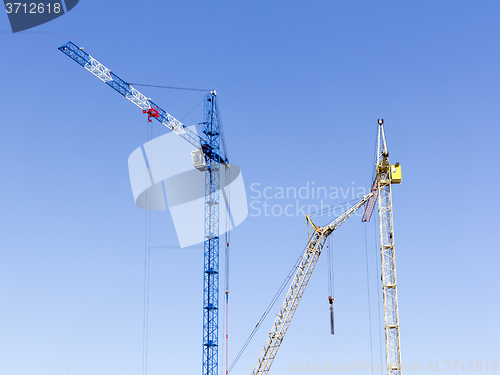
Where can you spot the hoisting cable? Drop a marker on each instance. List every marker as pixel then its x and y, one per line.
pixel 378 279
pixel 196 106
pixel 379 297
pixel 227 301
pixel 374 171
pixel 147 256
pixel 227 188
pixel 369 300
pixel 331 282
pixel 167 87
pixel 221 131
pixel 268 309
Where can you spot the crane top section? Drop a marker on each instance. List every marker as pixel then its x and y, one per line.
pixel 385 171
pixel 124 88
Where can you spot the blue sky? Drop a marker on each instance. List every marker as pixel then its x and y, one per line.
pixel 301 86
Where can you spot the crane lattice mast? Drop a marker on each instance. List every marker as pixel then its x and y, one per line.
pixel 212 157
pixel 387 174
pixel 211 129
pixel 381 189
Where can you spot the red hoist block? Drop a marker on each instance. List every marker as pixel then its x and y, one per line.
pixel 151 113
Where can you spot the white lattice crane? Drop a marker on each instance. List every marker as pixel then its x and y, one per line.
pixel 381 188
pixel 387 174
pixel 298 286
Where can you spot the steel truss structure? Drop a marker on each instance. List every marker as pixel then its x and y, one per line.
pixel 389 284
pixel 129 92
pixel 213 156
pixel 298 286
pixel 211 129
pixel 381 190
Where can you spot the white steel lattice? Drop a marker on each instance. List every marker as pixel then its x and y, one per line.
pixel 99 70
pixel 389 284
pixel 173 124
pixel 297 287
pixel 138 99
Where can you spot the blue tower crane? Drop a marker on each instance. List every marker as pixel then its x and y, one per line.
pixel 211 129
pixel 212 158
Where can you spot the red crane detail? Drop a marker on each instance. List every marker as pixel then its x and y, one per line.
pixel 151 113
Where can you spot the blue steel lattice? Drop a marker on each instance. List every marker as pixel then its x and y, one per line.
pixel 213 157
pixel 211 151
pixel 124 88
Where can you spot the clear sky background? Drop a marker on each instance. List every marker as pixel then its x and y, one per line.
pixel 301 85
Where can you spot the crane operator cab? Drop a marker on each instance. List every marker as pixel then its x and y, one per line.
pixel 198 160
pixel 396 173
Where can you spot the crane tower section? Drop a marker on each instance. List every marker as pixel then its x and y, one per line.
pixel 387 174
pixel 211 129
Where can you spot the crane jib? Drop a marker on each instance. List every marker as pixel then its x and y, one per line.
pixel 128 91
pixel 297 287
